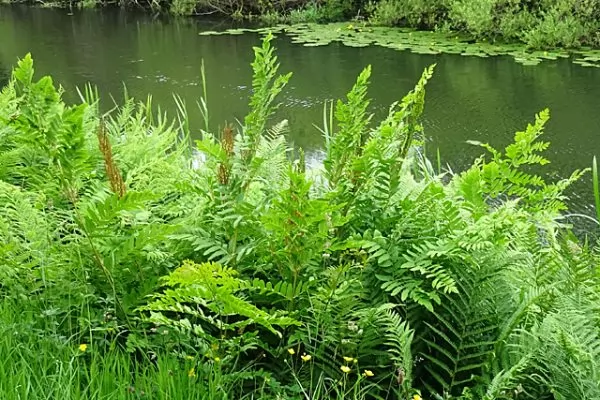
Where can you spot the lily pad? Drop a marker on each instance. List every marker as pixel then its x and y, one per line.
pixel 528 61
pixel 424 50
pixel 239 31
pixel 585 63
pixel 316 44
pixel 209 33
pixel 422 42
pixel 355 44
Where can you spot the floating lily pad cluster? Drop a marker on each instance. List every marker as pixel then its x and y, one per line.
pixel 421 42
pixel 588 58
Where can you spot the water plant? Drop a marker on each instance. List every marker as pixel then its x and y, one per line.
pixel 362 34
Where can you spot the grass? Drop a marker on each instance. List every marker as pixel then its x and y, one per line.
pixel 36 364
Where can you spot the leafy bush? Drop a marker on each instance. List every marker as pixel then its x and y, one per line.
pixel 310 13
pixel 538 24
pixel 183 7
pixel 422 14
pixel 246 275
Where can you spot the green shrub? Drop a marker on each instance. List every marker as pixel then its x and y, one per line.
pixel 476 17
pixel 183 7
pixel 420 14
pixel 336 10
pixel 386 13
pixel 310 13
pixel 557 27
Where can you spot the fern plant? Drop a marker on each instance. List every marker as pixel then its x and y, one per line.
pixel 209 288
pixel 371 276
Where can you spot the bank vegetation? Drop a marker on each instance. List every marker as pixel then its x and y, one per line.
pixel 135 264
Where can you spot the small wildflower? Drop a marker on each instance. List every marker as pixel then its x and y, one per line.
pixel 291 351
pixel 217 359
pixel 306 357
pixel 348 359
pixel 192 372
pixel 368 373
pixel 417 397
pixel 83 347
pixel 345 369
pixel 355 361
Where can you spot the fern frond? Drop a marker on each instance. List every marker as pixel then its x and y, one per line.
pixel 214 288
pixel 266 85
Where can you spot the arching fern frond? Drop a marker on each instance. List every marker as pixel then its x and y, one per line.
pixel 209 293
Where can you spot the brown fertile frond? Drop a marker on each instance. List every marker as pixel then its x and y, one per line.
pixel 227 140
pixel 115 179
pixel 227 143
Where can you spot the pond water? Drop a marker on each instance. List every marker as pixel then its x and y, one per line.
pixel 469 98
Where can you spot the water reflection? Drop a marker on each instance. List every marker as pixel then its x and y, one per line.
pixel 4 75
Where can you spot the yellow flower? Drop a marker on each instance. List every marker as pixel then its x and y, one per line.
pixel 189 357
pixel 417 397
pixel 368 373
pixel 348 359
pixel 345 369
pixel 292 351
pixel 306 357
pixel 82 347
pixel 192 372
pixel 217 359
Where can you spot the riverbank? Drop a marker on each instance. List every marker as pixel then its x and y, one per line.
pixel 128 271
pixel 538 25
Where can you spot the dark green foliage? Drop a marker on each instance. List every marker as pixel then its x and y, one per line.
pixel 231 270
pixel 538 24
